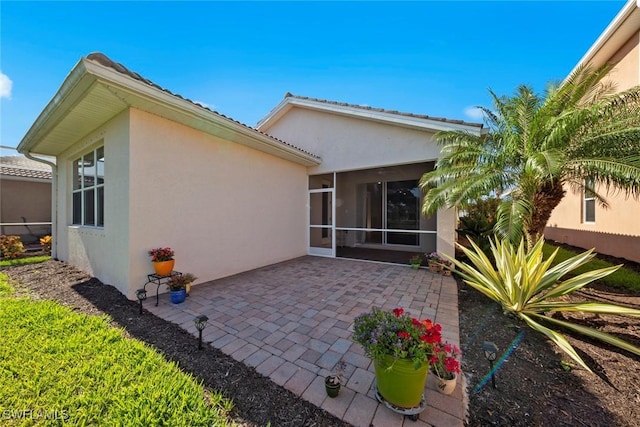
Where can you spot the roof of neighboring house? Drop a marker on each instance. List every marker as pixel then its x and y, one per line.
pixel 98 88
pixel 20 166
pixel 364 111
pixel 623 26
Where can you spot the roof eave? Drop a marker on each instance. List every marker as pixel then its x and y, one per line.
pixel 88 72
pixel 247 135
pixel 632 7
pixel 43 122
pixel 380 116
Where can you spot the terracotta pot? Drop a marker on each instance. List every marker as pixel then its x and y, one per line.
pixel 435 267
pixel 164 268
pixel 446 272
pixel 399 382
pixel 447 386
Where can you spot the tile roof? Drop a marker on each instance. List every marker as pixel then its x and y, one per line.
pixel 382 110
pixel 20 166
pixel 104 60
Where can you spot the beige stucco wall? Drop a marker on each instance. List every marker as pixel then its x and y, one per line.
pixel 616 229
pixel 347 143
pixel 24 200
pixel 626 72
pixel 101 252
pixel 224 208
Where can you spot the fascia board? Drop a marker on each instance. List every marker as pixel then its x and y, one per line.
pixel 390 118
pixel 272 116
pixel 250 137
pixel 67 95
pixel 632 6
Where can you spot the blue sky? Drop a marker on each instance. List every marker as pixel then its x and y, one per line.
pixel 240 58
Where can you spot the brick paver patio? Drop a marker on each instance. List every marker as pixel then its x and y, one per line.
pixel 293 321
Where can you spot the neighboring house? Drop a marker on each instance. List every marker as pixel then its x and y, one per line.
pixel 578 220
pixel 140 167
pixel 25 198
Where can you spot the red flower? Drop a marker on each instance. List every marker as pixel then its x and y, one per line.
pixel 405 335
pixel 398 312
pixel 415 322
pixel 452 365
pixel 427 324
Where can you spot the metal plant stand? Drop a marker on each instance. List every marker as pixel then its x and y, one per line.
pixel 411 413
pixel 158 280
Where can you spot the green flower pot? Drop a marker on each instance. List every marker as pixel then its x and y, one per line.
pixel 399 382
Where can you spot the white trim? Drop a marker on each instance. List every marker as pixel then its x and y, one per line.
pixel 601 43
pixel 89 73
pixel 380 116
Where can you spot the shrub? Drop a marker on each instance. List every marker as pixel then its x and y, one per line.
pixel 11 246
pixel 477 223
pixel 46 244
pixel 527 285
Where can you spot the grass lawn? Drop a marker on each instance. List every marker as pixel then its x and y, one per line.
pixel 23 261
pixel 621 278
pixel 60 367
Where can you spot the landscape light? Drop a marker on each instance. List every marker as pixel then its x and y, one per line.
pixel 141 294
pixel 201 323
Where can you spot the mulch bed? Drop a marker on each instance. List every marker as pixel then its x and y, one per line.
pixel 533 388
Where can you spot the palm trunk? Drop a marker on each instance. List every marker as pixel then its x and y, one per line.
pixel 544 202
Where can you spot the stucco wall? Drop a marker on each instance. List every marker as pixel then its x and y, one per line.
pixel 616 227
pixel 347 143
pixel 25 201
pixel 626 72
pixel 101 252
pixel 224 208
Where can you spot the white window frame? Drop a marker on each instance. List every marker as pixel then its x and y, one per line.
pixel 588 197
pixel 98 204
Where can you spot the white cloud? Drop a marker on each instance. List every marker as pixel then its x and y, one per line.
pixel 5 86
pixel 204 104
pixel 474 113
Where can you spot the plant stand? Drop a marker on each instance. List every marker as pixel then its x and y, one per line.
pixel 158 281
pixel 411 413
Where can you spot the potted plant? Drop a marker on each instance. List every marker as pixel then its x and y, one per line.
pixel 178 286
pixel 400 347
pixel 163 261
pixel 445 365
pixel 435 262
pixel 415 261
pixel 333 382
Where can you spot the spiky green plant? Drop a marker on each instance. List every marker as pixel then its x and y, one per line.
pixel 526 284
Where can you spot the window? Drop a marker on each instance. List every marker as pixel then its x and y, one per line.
pixel 88 189
pixel 589 201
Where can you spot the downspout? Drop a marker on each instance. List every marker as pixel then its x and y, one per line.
pixel 54 200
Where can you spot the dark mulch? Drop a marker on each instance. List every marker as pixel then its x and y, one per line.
pixel 533 388
pixel 257 400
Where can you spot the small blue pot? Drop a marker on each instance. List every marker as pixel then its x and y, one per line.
pixel 178 296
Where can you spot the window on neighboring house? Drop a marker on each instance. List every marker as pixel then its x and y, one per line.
pixel 589 202
pixel 88 189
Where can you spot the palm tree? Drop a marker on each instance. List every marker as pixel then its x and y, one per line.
pixel 579 134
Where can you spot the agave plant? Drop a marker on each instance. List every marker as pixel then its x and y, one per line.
pixel 528 286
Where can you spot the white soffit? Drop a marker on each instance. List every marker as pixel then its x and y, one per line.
pixel 93 93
